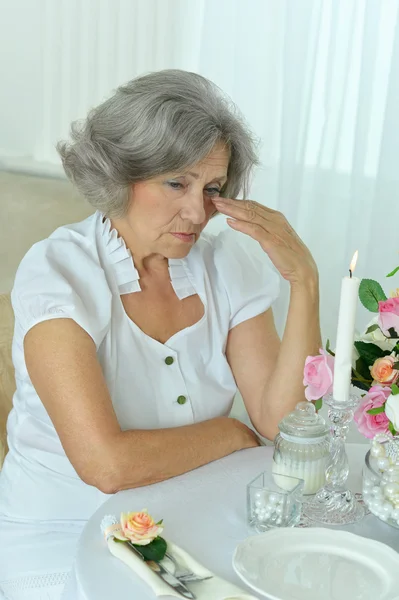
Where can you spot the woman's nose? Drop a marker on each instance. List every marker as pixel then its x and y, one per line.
pixel 194 209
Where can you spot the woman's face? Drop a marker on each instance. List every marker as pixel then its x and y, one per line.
pixel 167 213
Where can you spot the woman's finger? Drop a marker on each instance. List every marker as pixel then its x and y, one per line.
pixel 248 210
pixel 266 240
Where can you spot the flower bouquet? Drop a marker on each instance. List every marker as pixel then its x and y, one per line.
pixel 375 368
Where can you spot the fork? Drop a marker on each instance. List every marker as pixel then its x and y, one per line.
pixel 185 575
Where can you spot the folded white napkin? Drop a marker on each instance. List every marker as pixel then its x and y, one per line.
pixel 210 589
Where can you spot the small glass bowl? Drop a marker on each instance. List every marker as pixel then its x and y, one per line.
pixel 373 495
pixel 274 503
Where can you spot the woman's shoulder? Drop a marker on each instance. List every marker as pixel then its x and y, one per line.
pixel 62 276
pixel 69 246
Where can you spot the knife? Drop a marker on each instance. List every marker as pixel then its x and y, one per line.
pixel 164 574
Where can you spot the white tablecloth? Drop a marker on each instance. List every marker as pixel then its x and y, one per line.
pixel 204 512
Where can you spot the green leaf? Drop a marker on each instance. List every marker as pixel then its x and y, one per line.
pixel 372 328
pixel 362 369
pixel 154 551
pixel 370 352
pixel 392 273
pixel 395 389
pixel 318 404
pixel 376 411
pixel 391 428
pixel 160 522
pixel 370 293
pixel 396 365
pixel 328 348
pixel 361 377
pixel 392 332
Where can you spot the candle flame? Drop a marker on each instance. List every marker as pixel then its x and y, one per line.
pixel 354 261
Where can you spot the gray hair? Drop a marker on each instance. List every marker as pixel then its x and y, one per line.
pixel 157 123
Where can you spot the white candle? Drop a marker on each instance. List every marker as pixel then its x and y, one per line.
pixel 346 335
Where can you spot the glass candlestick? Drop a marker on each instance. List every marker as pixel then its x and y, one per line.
pixel 334 504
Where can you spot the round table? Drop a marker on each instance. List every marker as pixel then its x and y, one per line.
pixel 204 511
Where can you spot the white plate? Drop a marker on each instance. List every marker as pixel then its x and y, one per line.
pixel 317 564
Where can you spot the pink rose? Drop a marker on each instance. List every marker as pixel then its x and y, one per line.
pixel 389 314
pixel 370 425
pixel 139 528
pixel 383 372
pixel 318 375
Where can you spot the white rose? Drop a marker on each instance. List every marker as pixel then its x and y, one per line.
pixel 377 337
pixel 392 410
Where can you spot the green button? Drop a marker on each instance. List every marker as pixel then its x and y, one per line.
pixel 182 399
pixel 169 360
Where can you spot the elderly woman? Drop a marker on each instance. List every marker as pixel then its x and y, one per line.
pixel 134 328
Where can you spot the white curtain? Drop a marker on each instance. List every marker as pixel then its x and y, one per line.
pixel 318 81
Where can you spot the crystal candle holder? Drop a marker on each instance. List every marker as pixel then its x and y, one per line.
pixel 334 503
pixel 274 503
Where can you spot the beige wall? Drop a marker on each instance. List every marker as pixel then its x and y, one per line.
pixel 30 209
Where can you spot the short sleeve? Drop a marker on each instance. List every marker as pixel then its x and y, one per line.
pixel 247 274
pixel 58 278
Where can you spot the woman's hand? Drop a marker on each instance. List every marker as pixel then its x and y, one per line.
pixel 271 229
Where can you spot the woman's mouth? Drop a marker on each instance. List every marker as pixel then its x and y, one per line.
pixel 185 237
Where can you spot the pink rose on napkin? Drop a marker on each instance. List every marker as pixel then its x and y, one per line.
pixel 318 375
pixel 389 314
pixel 370 425
pixel 138 527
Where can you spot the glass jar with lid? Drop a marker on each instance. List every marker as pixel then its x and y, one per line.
pixel 302 447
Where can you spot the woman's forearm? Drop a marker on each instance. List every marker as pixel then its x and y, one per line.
pixel 301 338
pixel 141 457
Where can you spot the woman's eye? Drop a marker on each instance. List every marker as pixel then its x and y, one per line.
pixel 212 191
pixel 176 185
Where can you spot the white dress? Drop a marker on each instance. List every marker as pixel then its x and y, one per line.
pixel 80 272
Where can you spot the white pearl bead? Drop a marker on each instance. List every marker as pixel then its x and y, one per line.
pixel 279 510
pixel 383 463
pixel 387 508
pixel 377 451
pixel 259 503
pixel 390 489
pixel 273 499
pixel 259 495
pixel 377 491
pixel 395 514
pixel 262 518
pixel 279 521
